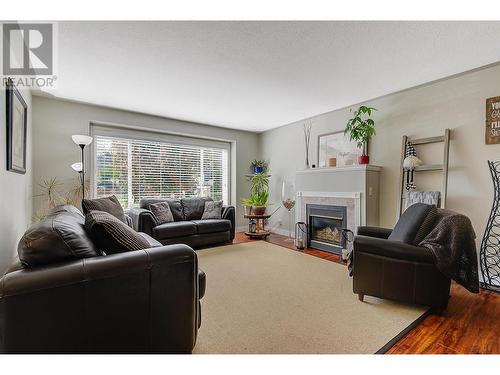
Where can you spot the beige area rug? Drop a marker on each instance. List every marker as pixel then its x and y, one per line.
pixel 263 298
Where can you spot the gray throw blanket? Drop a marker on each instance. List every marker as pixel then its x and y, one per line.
pixel 452 241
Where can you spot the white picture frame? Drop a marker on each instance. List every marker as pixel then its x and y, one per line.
pixel 337 145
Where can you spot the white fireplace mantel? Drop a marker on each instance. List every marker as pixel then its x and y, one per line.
pixel 354 186
pixel 330 194
pixel 351 168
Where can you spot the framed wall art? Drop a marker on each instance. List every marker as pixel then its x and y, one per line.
pixel 492 134
pixel 17 113
pixel 336 150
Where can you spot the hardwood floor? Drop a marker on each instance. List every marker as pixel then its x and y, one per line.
pixel 470 325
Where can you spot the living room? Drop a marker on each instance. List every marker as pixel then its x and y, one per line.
pixel 227 185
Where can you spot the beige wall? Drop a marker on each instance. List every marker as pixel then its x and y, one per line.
pixel 457 103
pixel 54 151
pixel 15 192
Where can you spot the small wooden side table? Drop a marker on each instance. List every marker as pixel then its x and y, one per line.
pixel 257 226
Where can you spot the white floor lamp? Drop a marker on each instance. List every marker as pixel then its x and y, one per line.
pixel 82 141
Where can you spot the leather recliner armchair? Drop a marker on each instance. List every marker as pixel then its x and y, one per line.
pixel 398 269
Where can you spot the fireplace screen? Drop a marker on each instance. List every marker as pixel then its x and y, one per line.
pixel 326 223
pixel 328 230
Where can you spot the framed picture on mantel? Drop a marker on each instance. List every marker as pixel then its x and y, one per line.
pixel 336 150
pixel 17 112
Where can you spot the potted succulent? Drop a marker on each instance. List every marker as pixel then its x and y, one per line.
pixel 361 128
pixel 258 166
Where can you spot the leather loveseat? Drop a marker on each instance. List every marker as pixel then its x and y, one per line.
pixel 143 301
pixel 188 227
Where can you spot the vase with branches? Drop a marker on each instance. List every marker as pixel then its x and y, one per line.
pixel 307 126
pixel 361 128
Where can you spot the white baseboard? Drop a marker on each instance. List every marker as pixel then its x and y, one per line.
pixel 283 232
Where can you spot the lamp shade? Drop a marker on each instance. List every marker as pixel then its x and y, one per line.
pixel 77 167
pixel 80 140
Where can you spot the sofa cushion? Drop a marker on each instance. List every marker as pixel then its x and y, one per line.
pixel 174 229
pixel 212 225
pixel 212 210
pixel 111 235
pixel 193 207
pixel 110 204
pixel 161 212
pixel 59 237
pixel 174 204
pixel 409 223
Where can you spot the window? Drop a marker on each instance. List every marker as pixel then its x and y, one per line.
pixel 134 168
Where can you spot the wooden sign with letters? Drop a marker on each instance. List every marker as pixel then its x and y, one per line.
pixel 492 134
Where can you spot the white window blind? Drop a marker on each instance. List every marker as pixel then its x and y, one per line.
pixel 133 169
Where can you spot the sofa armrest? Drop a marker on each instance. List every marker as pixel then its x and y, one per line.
pixel 229 213
pixel 374 232
pixel 140 301
pixel 142 220
pixel 391 249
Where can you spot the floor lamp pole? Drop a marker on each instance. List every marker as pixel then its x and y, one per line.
pixel 83 172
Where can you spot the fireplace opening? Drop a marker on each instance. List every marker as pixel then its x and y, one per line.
pixel 325 227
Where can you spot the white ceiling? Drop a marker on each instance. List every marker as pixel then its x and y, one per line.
pixel 260 75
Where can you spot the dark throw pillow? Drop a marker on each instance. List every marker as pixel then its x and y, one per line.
pixel 174 204
pixel 213 210
pixel 193 207
pixel 161 212
pixel 107 204
pixel 111 235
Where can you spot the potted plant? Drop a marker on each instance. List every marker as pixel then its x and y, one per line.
pixel 247 203
pixel 260 183
pixel 361 128
pixel 259 202
pixel 259 193
pixel 258 166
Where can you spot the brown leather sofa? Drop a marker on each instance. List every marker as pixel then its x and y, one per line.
pixel 188 227
pixel 144 301
pixel 389 263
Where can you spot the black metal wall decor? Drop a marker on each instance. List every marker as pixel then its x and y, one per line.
pixel 490 245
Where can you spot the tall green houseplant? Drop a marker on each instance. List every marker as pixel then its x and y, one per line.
pixel 259 194
pixel 361 128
